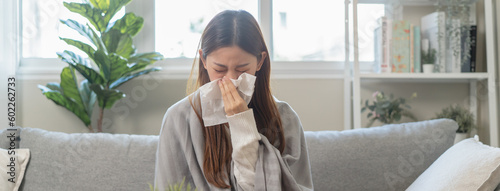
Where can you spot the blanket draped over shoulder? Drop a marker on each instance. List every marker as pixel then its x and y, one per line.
pixel 181 149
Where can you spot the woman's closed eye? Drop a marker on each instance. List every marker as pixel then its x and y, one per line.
pixel 222 71
pixel 219 71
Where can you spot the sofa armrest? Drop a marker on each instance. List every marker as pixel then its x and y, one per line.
pixel 93 161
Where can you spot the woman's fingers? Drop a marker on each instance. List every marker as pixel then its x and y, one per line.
pixel 233 103
pixel 224 95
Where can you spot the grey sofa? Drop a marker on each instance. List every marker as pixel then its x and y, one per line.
pixel 390 157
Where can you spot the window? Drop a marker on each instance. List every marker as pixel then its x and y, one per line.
pixel 298 31
pixel 308 30
pixel 179 24
pixel 367 22
pixel 41 28
pixel 302 30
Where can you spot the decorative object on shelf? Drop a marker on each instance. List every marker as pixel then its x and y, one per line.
pixel 386 109
pixel 428 68
pixel 457 18
pixel 428 57
pixel 462 116
pixel 115 60
pixel 433 29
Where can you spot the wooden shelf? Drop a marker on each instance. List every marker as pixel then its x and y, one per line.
pixel 412 2
pixel 421 77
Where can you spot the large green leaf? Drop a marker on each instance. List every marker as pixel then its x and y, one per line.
pixel 99 12
pixel 140 61
pixel 129 24
pixel 149 58
pixel 125 46
pixel 59 99
pixel 94 15
pixel 119 43
pixel 69 85
pixel 80 45
pixel 102 61
pixel 88 96
pixel 85 31
pixel 72 58
pixel 67 94
pixel 85 69
pixel 124 79
pixel 102 5
pixel 114 7
pixel 106 97
pixel 119 67
pixel 54 86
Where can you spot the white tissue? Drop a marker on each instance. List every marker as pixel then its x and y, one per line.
pixel 212 104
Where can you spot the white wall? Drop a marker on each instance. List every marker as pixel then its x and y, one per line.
pixel 318 102
pixel 142 111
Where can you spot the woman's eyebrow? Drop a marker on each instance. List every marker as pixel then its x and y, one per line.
pixel 221 65
pixel 224 66
pixel 243 65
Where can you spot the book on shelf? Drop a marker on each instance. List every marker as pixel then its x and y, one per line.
pixel 382 46
pixel 469 63
pixel 412 53
pixel 417 65
pixel 401 46
pixel 377 48
pixel 433 28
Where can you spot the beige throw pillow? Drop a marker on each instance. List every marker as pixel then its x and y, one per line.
pixel 12 167
pixel 468 165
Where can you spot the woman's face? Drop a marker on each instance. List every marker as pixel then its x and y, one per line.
pixel 231 62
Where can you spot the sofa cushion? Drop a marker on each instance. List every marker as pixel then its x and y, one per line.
pixel 94 161
pixel 390 157
pixel 468 165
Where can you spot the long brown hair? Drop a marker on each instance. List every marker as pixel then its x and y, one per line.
pixel 235 28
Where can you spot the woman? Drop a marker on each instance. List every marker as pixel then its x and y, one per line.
pixel 262 145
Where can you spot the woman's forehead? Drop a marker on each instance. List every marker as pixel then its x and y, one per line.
pixel 231 55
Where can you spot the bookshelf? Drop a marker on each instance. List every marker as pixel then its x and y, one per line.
pixel 355 77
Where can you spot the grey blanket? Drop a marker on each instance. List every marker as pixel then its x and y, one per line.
pixel 181 148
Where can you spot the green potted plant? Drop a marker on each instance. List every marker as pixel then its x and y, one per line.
pixel 427 56
pixel 387 109
pixel 462 116
pixel 112 60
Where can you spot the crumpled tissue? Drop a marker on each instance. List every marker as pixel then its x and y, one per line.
pixel 212 104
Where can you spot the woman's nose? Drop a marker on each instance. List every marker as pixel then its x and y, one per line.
pixel 232 75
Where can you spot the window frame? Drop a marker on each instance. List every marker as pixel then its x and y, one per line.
pixel 180 68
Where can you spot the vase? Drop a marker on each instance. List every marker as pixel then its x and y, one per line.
pixel 460 136
pixel 428 68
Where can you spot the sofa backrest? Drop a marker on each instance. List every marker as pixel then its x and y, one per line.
pixel 383 158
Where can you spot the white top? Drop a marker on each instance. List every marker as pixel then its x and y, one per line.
pixel 245 141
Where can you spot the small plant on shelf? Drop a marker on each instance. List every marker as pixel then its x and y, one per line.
pixel 428 57
pixel 387 109
pixel 461 115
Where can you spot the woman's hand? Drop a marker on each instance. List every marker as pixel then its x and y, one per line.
pixel 233 103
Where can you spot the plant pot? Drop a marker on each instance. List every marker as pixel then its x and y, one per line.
pixel 428 68
pixel 460 136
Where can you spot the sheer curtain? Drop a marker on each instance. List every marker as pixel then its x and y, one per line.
pixel 9 55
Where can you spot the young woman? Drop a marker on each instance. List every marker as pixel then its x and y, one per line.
pixel 262 146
